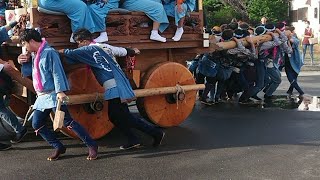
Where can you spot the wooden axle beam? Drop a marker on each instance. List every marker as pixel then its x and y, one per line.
pixel 15 74
pixel 88 98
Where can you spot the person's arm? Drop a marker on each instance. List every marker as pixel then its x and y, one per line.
pixel 121 52
pixel 284 42
pixel 11 25
pixel 116 51
pixel 240 49
pixel 283 37
pixel 4 31
pixel 270 44
pixel 253 51
pixel 3 34
pixel 72 56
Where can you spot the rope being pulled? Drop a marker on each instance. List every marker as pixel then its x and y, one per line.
pixel 180 90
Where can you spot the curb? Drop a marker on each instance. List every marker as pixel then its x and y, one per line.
pixel 310 68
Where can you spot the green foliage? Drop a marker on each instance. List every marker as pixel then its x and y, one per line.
pixel 218 13
pixel 274 10
pixel 224 15
pixel 212 5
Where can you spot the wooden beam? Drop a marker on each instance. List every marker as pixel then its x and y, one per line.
pixel 16 75
pixel 87 98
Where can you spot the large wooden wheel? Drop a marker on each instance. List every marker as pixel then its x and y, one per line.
pixel 97 123
pixel 164 110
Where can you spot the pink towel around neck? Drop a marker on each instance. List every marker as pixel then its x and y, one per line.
pixel 37 75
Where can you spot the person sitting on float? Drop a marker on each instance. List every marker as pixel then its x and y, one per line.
pixel 79 14
pixel 154 10
pixel 178 9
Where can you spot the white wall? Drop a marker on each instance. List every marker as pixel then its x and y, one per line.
pixel 314 22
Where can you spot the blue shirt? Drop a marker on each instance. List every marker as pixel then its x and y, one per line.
pixel 3 34
pixel 53 79
pixel 104 68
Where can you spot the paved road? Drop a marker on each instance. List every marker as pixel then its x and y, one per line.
pixel 217 142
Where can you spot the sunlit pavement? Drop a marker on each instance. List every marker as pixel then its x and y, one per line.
pixel 216 142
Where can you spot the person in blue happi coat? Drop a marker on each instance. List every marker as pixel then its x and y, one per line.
pixel 79 14
pixel 293 65
pixel 154 10
pixel 118 90
pixel 3 7
pixel 178 9
pixel 99 10
pixel 50 83
pixel 6 86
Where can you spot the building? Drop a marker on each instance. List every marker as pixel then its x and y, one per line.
pixel 301 10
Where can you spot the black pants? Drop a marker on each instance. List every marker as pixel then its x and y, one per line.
pixel 293 79
pixel 121 117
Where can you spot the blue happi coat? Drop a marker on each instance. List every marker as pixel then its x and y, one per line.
pixel 105 68
pixel 53 78
pixel 76 10
pixel 3 37
pixel 295 58
pixel 152 8
pixel 99 10
pixel 3 34
pixel 171 9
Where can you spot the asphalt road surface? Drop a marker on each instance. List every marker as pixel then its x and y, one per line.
pixel 218 142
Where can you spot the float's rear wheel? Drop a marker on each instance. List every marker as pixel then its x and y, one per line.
pixel 93 117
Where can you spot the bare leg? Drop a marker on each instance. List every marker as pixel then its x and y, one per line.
pixel 155 26
pixel 155 34
pixel 177 36
pixel 180 23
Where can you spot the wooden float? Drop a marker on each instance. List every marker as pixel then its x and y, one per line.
pixel 165 89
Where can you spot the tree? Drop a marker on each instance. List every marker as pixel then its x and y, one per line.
pixel 239 6
pixel 217 12
pixel 220 11
pixel 213 5
pixel 275 10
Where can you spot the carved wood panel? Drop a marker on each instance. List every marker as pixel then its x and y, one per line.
pixel 140 25
pixel 117 25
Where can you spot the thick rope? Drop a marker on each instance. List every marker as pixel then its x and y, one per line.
pixel 180 90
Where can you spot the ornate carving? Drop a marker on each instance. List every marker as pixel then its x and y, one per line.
pixel 54 26
pixel 12 4
pixel 21 24
pixel 192 25
pixel 117 25
pixel 139 25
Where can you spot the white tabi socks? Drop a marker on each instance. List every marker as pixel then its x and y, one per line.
pixel 156 37
pixel 102 38
pixel 177 36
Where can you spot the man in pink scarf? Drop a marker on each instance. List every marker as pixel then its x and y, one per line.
pixel 50 82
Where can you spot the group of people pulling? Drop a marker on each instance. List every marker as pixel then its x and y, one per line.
pixel 44 65
pixel 248 70
pixel 225 73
